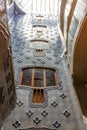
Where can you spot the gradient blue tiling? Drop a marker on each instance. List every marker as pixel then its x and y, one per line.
pixel 21 33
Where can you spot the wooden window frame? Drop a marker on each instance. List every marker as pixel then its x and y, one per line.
pixel 44 77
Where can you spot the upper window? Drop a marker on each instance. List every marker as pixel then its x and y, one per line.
pixel 39 44
pixel 39 52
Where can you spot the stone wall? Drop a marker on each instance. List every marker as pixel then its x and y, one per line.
pixel 7 85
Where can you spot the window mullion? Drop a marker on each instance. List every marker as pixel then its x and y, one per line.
pixel 56 78
pixel 44 74
pixel 21 76
pixel 33 77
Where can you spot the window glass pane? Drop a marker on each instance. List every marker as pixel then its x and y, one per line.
pixel 27 77
pixel 73 26
pixel 38 78
pixel 50 78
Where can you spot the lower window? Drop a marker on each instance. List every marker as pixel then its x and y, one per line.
pixel 38 77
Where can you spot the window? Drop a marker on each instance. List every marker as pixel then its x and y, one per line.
pixel 39 52
pixel 38 96
pixel 38 77
pixel 39 44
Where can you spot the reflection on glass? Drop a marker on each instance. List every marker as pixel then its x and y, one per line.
pixel 71 35
pixel 73 26
pixel 79 10
pixel 70 42
pixel 67 10
pixel 78 14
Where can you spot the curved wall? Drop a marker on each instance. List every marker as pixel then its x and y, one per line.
pixel 80 54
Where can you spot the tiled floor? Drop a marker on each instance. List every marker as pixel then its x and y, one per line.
pixel 63 95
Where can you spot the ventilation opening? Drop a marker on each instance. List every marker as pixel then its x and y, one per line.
pixel 39 26
pixel 39 40
pixel 40 19
pixel 39 16
pixel 38 96
pixel 39 32
pixel 39 52
pixel 38 77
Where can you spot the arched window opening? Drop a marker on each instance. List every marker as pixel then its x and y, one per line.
pixel 38 77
